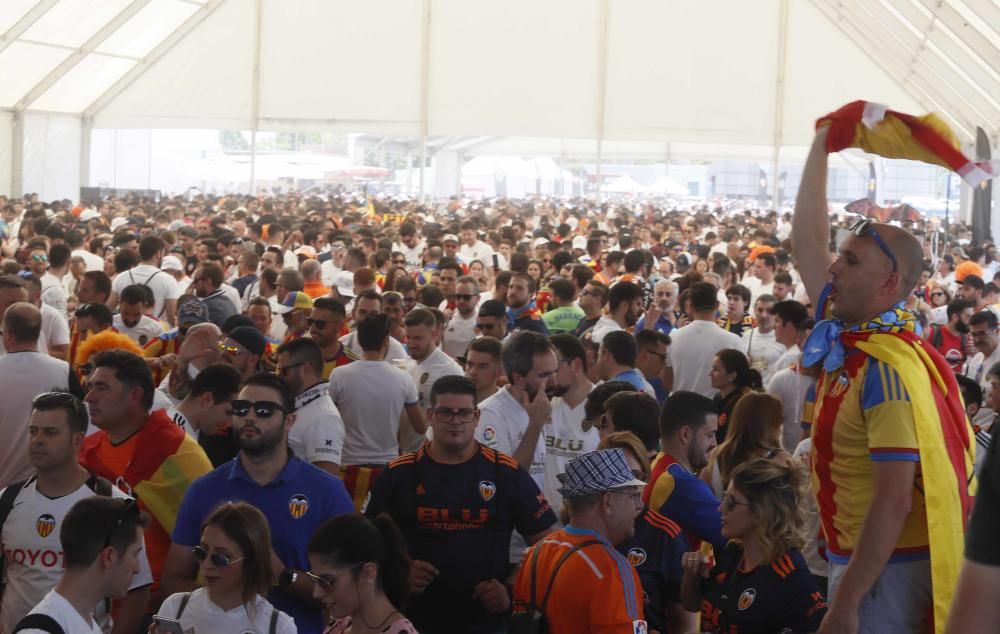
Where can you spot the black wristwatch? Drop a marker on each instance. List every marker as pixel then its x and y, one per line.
pixel 287 577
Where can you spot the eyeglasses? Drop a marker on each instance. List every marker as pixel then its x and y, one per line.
pixel 230 350
pixel 218 559
pixel 661 355
pixel 282 369
pixel 318 323
pixel 865 227
pixel 937 294
pixel 130 507
pixel 729 503
pixel 326 582
pixel 634 496
pixel 39 258
pixel 446 414
pixel 465 297
pixel 261 409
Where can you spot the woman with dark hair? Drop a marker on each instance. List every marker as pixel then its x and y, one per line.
pixel 235 562
pixel 732 375
pixel 393 275
pixel 760 582
pixel 754 432
pixel 360 569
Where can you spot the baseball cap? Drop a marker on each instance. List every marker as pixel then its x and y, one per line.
pixel 88 214
pixel 493 308
pixel 541 242
pixel 306 251
pixel 597 472
pixel 118 223
pixel 248 337
pixel 192 312
pixel 171 263
pixel 580 242
pixel 344 282
pixel 449 237
pixel 292 301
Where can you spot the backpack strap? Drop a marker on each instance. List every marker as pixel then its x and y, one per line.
pixel 274 621
pixel 184 604
pixel 99 485
pixel 42 622
pixel 555 570
pixel 6 505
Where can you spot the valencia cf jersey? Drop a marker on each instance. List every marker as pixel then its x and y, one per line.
pixel 777 598
pixel 655 551
pixel 459 518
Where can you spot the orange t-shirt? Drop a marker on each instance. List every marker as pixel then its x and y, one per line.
pixel 315 290
pixel 596 590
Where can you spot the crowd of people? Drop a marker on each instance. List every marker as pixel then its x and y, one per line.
pixel 323 414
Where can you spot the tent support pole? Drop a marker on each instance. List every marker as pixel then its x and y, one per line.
pixel 17 154
pixel 425 78
pixel 255 98
pixel 86 130
pixel 602 88
pixel 779 98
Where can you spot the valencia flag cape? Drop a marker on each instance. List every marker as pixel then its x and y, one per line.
pixel 165 463
pixel 946 449
pixel 874 128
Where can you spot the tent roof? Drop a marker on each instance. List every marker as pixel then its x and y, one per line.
pixel 714 72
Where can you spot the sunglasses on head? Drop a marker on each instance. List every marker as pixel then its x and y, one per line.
pixel 261 409
pixel 130 508
pixel 218 559
pixel 865 227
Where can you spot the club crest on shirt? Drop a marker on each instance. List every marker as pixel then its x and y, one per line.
pixel 636 557
pixel 424 377
pixel 487 490
pixel 489 435
pixel 298 505
pixel 840 385
pixel 746 599
pixel 45 524
pixel 639 627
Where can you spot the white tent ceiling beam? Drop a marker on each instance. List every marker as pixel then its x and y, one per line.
pixel 425 86
pixel 983 81
pixel 63 47
pixel 920 55
pixel 779 96
pixel 976 41
pixel 80 53
pixel 985 9
pixel 888 53
pixel 147 62
pixel 26 22
pixel 602 87
pixel 255 96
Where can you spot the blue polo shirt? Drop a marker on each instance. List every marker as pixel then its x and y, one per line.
pixel 295 504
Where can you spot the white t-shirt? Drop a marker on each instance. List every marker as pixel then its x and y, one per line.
pixel 458 334
pixel 396 349
pixel 691 352
pixel 34 555
pixel 502 423
pixel 564 441
pixel 181 421
pixel 201 616
pixel 318 432
pixel 603 326
pixel 63 613
pixel 478 251
pixel 143 332
pixel 164 286
pixel 757 288
pixel 55 328
pixel 371 396
pixel 53 292
pixel 790 386
pixel 977 369
pixel 23 375
pixel 787 359
pixel 763 350
pixel 93 262
pixel 424 374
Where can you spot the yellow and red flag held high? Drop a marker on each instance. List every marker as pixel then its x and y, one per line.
pixel 874 128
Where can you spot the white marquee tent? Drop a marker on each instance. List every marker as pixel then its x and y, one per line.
pixel 677 74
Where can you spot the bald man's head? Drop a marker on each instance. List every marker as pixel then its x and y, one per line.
pixel 311 270
pixel 202 343
pixel 909 255
pixel 23 321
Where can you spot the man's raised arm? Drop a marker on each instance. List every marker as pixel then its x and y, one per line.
pixel 811 222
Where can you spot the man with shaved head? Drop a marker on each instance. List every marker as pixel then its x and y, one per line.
pixel 887 442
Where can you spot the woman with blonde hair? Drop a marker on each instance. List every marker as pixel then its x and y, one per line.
pixel 238 569
pixel 760 582
pixel 655 549
pixel 755 430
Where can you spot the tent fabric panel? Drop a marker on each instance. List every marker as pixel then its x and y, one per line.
pixel 83 84
pixel 205 80
pixel 147 28
pixel 72 22
pixel 515 67
pixel 6 141
pixel 13 10
pixel 23 65
pixel 52 155
pixel 676 70
pixel 350 61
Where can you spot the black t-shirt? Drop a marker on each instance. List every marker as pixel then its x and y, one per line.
pixel 584 325
pixel 777 598
pixel 459 518
pixel 655 551
pixel 981 544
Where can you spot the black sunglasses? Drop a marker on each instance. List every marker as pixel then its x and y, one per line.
pixel 319 323
pixel 218 559
pixel 130 507
pixel 864 227
pixel 261 409
pixel 465 297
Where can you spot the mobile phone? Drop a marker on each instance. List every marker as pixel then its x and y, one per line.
pixel 165 625
pixel 496 262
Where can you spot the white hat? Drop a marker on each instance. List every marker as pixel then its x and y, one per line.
pixel 449 237
pixel 171 263
pixel 540 242
pixel 580 242
pixel 344 282
pixel 88 214
pixel 118 223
